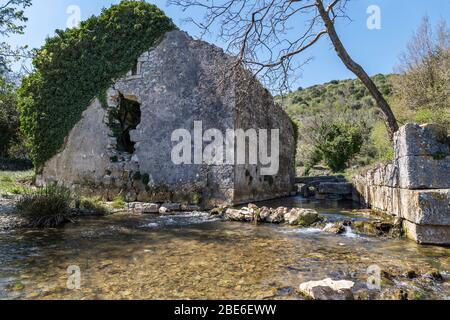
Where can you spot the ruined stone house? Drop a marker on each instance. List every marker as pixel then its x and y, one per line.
pixel 124 147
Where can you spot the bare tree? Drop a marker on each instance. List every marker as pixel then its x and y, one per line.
pixel 267 35
pixel 425 69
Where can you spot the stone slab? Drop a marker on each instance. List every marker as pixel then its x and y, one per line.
pixel 423 172
pixel 426 234
pixel 419 140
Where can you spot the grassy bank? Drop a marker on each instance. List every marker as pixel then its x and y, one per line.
pixel 16 182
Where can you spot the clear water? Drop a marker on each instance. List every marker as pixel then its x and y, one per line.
pixel 192 256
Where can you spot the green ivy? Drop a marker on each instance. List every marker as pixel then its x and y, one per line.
pixel 77 65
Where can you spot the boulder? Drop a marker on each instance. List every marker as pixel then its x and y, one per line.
pixel 301 217
pixel 163 210
pixel 336 228
pixel 264 213
pixel 328 289
pixel 277 215
pixel 238 215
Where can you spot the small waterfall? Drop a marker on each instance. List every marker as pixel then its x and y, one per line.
pixel 349 232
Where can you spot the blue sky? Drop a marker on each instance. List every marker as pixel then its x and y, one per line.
pixel 376 50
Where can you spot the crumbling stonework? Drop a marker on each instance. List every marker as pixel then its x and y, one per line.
pixel 415 186
pixel 178 82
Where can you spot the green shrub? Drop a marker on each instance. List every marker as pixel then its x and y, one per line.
pixel 93 205
pixel 340 143
pixel 47 207
pixel 79 64
pixel 438 116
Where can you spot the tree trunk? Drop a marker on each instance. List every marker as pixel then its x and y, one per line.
pixel 388 115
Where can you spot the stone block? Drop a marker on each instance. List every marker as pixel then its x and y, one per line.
pixel 415 140
pixel 425 207
pixel 427 234
pixel 423 172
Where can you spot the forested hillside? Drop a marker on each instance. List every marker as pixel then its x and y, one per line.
pixel 338 95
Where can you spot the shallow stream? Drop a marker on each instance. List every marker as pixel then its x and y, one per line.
pixel 194 256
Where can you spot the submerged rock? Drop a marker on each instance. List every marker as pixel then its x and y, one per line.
pixel 390 228
pixel 328 289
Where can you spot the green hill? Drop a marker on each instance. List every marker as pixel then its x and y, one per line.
pixel 316 108
pixel 339 95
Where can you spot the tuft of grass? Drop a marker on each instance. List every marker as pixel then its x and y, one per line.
pixel 47 207
pixel 93 205
pixel 119 202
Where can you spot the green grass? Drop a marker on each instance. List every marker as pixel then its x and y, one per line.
pixel 15 182
pixel 94 205
pixel 119 202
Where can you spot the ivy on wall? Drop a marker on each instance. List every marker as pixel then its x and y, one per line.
pixel 79 64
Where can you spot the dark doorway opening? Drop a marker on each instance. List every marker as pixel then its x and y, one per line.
pixel 129 117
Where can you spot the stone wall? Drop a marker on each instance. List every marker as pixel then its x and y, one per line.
pixel 415 186
pixel 178 82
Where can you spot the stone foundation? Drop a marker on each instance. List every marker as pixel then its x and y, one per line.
pixel 415 186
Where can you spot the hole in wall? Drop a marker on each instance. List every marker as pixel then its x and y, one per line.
pixel 129 116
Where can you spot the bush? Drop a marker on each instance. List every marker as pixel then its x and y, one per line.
pixel 79 64
pixel 47 207
pixel 334 138
pixel 340 143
